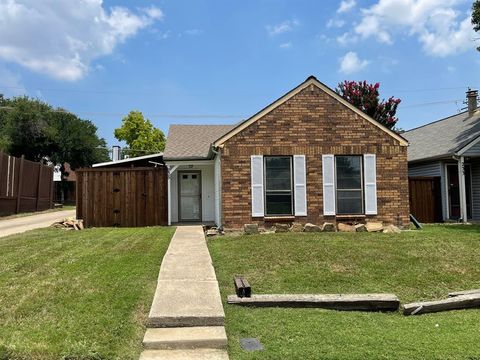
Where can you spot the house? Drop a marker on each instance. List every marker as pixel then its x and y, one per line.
pixel 449 150
pixel 309 156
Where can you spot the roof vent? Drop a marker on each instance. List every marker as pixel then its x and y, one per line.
pixel 472 96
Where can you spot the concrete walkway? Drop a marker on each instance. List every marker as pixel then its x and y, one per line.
pixel 31 222
pixel 186 320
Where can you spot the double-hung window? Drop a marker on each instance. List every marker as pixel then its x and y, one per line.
pixel 349 185
pixel 278 185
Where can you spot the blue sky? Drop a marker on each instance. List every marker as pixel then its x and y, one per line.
pixel 221 61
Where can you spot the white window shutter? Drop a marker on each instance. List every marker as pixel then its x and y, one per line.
pixel 257 186
pixel 370 181
pixel 300 185
pixel 328 172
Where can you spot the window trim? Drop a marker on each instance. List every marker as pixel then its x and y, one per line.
pixel 291 191
pixel 362 186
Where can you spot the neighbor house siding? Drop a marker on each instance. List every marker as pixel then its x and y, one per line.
pixel 425 169
pixel 473 151
pixel 430 169
pixel 475 167
pixel 312 123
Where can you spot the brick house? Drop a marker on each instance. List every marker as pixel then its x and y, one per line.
pixel 309 156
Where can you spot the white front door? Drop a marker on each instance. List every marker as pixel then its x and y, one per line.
pixel 190 195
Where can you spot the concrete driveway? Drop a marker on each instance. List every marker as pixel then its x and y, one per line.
pixel 30 222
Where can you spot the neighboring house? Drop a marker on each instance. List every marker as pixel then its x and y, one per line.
pixel 449 150
pixel 151 160
pixel 64 191
pixel 310 156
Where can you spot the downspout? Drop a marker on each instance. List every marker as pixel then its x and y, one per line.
pixel 218 187
pixel 462 188
pixel 169 195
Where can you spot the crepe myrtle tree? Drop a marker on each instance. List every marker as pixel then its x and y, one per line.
pixel 476 17
pixel 366 97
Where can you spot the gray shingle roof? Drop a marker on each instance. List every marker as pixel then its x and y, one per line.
pixel 192 141
pixel 444 137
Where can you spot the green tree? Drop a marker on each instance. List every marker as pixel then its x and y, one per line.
pixel 140 135
pixel 35 129
pixel 476 17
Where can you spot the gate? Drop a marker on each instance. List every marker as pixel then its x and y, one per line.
pixel 123 197
pixel 425 199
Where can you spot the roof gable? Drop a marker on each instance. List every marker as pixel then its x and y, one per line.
pixel 309 82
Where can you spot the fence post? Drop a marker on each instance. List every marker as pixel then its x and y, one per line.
pixel 1 164
pixel 39 183
pixel 51 188
pixel 19 184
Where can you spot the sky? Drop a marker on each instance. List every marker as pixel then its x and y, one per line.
pixel 218 62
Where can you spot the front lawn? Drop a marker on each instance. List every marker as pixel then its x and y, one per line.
pixel 413 265
pixel 78 294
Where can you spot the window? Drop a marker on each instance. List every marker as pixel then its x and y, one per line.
pixel 278 185
pixel 349 185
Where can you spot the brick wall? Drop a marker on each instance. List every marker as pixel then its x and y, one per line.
pixel 313 123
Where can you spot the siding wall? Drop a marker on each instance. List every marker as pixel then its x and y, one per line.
pixel 436 168
pixel 475 167
pixel 473 151
pixel 425 169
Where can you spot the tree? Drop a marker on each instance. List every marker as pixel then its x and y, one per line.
pixel 476 17
pixel 366 98
pixel 140 135
pixel 36 130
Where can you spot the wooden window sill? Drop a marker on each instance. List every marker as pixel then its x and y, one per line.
pixel 280 218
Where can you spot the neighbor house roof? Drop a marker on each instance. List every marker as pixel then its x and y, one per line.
pixel 443 138
pixel 192 141
pixel 128 161
pixel 311 80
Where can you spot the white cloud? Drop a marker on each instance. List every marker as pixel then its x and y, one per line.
pixel 351 63
pixel 347 38
pixel 60 38
pixel 438 26
pixel 286 45
pixel 335 23
pixel 282 28
pixel 346 5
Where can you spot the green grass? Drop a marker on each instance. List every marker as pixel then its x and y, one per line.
pixel 414 265
pixel 78 294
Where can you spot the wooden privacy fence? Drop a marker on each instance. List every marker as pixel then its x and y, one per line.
pixel 425 199
pixel 132 197
pixel 25 186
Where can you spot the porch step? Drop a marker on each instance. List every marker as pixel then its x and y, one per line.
pixel 197 354
pixel 186 303
pixel 202 337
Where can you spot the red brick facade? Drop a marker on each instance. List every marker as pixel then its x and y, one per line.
pixel 313 123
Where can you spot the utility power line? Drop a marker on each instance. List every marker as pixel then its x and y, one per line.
pixel 156 92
